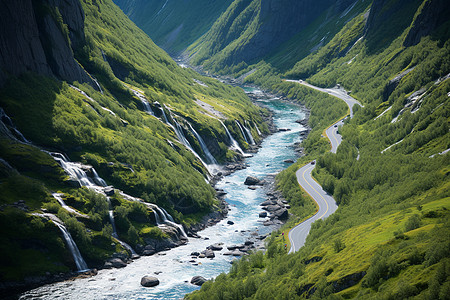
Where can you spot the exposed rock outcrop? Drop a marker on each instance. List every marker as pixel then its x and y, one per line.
pixel 433 14
pixel 33 38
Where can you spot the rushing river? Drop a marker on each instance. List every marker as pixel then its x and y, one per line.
pixel 172 267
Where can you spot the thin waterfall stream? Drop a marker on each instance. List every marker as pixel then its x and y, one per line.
pixel 175 268
pixel 79 261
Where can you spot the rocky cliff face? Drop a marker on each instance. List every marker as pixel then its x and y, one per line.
pixel 433 14
pixel 387 20
pixel 250 30
pixel 40 36
pixel 279 20
pixel 174 24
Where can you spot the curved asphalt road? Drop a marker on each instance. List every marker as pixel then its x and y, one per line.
pixel 326 203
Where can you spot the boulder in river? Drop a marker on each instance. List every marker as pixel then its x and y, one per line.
pixel 216 247
pixel 230 223
pixel 263 214
pixel 198 280
pixel 251 180
pixel 149 281
pixel 209 253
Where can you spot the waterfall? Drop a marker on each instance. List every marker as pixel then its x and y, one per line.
pixel 163 217
pixel 98 179
pixel 205 149
pixel 182 138
pixel 233 143
pixel 111 218
pixel 242 131
pixel 249 134
pixel 79 261
pixel 75 171
pixel 114 233
pixel 144 101
pixel 147 107
pixel 164 116
pixel 98 85
pixel 257 129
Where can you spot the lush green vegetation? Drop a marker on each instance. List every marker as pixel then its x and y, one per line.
pixel 220 49
pixel 388 239
pixel 109 129
pixel 184 21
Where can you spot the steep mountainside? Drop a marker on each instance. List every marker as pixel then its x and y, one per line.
pixel 388 238
pixel 88 100
pixel 250 30
pixel 174 24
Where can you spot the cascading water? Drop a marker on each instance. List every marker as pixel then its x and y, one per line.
pixel 181 137
pixel 79 261
pixel 163 217
pixel 164 116
pixel 242 130
pixel 257 129
pixel 114 233
pixel 249 134
pixel 98 85
pixel 209 156
pixel 98 179
pixel 233 143
pixel 111 218
pixel 144 101
pixel 175 268
pixel 75 171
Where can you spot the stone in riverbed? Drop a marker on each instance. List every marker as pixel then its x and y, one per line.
pixel 230 223
pixel 149 281
pixel 251 180
pixel 263 214
pixel 216 247
pixel 198 280
pixel 209 253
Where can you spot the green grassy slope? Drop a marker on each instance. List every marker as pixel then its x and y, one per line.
pixel 239 38
pixel 389 237
pixel 130 149
pixel 174 25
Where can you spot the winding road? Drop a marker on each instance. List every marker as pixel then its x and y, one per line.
pixel 326 203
